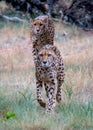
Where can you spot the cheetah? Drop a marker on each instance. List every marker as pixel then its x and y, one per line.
pixel 50 73
pixel 42 32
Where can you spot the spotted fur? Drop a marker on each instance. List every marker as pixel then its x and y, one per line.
pixel 42 32
pixel 50 73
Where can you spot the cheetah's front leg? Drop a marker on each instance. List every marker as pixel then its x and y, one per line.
pixel 59 89
pixel 39 90
pixel 60 80
pixel 50 91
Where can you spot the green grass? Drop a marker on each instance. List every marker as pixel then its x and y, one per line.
pixel 28 114
pixel 19 109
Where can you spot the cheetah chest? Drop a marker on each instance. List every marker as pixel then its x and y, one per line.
pixel 47 75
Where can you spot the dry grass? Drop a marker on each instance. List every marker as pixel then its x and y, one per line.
pixel 17 72
pixel 76 48
pixel 77 51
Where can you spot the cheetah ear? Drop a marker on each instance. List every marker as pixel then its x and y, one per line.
pixel 46 22
pixel 54 48
pixel 31 21
pixel 53 54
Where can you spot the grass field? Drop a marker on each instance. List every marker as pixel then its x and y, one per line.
pixel 19 109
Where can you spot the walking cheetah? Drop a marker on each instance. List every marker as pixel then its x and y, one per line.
pixel 50 73
pixel 42 32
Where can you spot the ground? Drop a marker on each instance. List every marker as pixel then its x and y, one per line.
pixel 19 109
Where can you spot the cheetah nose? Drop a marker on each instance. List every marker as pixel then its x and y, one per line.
pixel 44 62
pixel 37 30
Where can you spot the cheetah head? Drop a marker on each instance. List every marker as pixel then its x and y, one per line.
pixel 38 26
pixel 46 57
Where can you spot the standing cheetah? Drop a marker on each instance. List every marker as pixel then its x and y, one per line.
pixel 50 73
pixel 42 32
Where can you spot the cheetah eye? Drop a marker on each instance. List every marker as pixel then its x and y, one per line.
pixel 41 55
pixel 41 24
pixel 34 24
pixel 49 55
